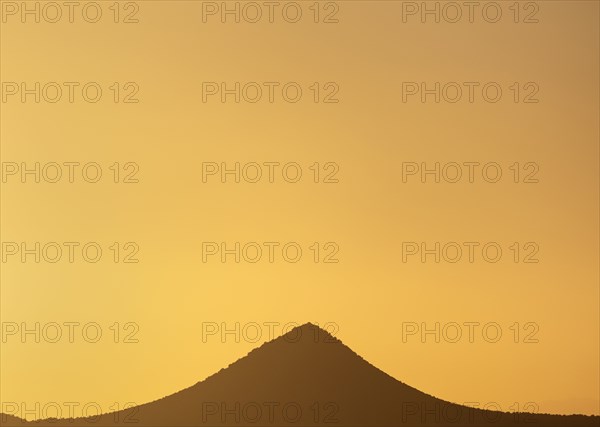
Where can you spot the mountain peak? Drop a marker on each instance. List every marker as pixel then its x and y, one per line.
pixel 308 332
pixel 323 381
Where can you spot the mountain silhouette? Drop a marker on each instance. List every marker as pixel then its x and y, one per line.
pixel 306 378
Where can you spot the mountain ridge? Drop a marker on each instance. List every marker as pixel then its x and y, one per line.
pixel 307 377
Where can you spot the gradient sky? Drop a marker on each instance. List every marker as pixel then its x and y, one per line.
pixel 370 293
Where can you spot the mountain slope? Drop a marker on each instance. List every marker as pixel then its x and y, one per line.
pixel 307 378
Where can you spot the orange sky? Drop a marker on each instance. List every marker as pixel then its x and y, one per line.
pixel 368 141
